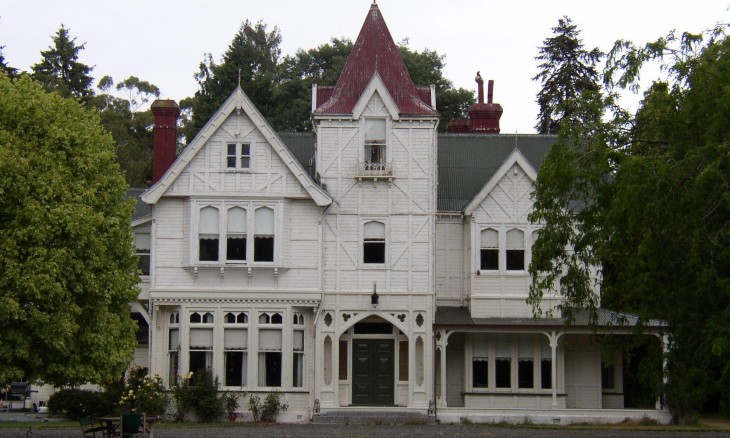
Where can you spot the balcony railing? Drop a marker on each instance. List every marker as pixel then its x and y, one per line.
pixel 374 170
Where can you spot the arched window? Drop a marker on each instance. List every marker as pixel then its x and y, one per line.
pixel 515 250
pixel 263 250
pixel 208 235
pixel 373 248
pixel 236 234
pixel 489 253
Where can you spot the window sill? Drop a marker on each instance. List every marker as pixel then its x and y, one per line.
pixel 247 170
pixel 374 266
pixel 238 267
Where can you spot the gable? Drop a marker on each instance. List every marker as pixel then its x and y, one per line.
pixel 203 167
pixel 506 196
pixel 466 162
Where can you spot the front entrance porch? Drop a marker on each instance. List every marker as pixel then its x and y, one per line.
pixel 373 359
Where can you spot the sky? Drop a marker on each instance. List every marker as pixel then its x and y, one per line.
pixel 163 41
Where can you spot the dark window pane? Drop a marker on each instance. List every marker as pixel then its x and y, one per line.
pixel 515 260
pixel 231 162
pixel 231 149
pixel 480 373
pixel 144 263
pixel 373 252
pixel 343 360
pixel 245 162
pixel 273 369
pixel 198 361
pixel 373 328
pixel 525 375
pixel 607 376
pixel 208 250
pixel 234 368
pixel 403 361
pixel 236 248
pixel 245 150
pixel 503 373
pixel 546 374
pixel 276 318
pixel 298 370
pixel 263 249
pixel 490 259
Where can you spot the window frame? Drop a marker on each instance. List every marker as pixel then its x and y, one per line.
pixel 238 156
pixel 523 348
pixel 371 241
pixel 207 322
pixel 242 322
pixel 224 208
pixel 144 254
pixel 270 325
pixel 529 233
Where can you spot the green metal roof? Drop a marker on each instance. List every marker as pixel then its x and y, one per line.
pixel 466 162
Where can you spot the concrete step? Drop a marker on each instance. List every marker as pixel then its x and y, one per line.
pixel 372 416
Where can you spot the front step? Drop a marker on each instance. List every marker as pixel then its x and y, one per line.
pixel 372 416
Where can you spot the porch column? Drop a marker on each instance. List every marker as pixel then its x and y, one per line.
pixel 664 339
pixel 441 343
pixel 554 367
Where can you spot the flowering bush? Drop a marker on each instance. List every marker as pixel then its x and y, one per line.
pixel 182 394
pixel 143 393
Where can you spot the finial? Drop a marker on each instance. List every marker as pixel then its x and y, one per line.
pixel 239 77
pixel 480 88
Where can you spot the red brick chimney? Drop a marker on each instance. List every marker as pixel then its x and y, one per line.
pixel 483 117
pixel 166 113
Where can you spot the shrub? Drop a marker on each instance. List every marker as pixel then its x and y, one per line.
pixel 199 393
pixel 143 393
pixel 269 409
pixel 76 403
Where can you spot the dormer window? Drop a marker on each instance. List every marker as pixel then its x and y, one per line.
pixel 374 162
pixel 375 144
pixel 238 156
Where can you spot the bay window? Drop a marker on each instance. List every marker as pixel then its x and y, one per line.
pixel 236 226
pixel 201 342
pixel 263 250
pixel 489 253
pixel 298 351
pixel 515 250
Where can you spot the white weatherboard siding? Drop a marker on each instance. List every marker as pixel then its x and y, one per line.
pixel 449 260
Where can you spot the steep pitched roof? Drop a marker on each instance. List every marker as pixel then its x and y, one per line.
pixel 466 162
pixel 374 52
pixel 237 100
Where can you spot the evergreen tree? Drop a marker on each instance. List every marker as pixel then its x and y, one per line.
pixel 252 59
pixel 566 71
pixel 647 199
pixel 60 70
pixel 4 67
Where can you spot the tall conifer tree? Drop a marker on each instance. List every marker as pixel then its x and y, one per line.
pixel 567 70
pixel 60 70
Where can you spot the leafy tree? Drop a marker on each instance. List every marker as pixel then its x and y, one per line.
pixel 67 265
pixel 566 71
pixel 281 89
pixel 60 70
pixel 647 199
pixel 129 126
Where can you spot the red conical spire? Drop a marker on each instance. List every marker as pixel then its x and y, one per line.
pixel 375 52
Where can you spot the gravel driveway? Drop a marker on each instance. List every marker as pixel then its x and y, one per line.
pixel 364 430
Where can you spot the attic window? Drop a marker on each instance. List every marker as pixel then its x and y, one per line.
pixel 238 156
pixel 375 144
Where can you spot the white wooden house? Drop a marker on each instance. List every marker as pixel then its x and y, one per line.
pixel 372 264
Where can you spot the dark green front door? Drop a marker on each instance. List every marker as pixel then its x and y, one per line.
pixel 373 372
